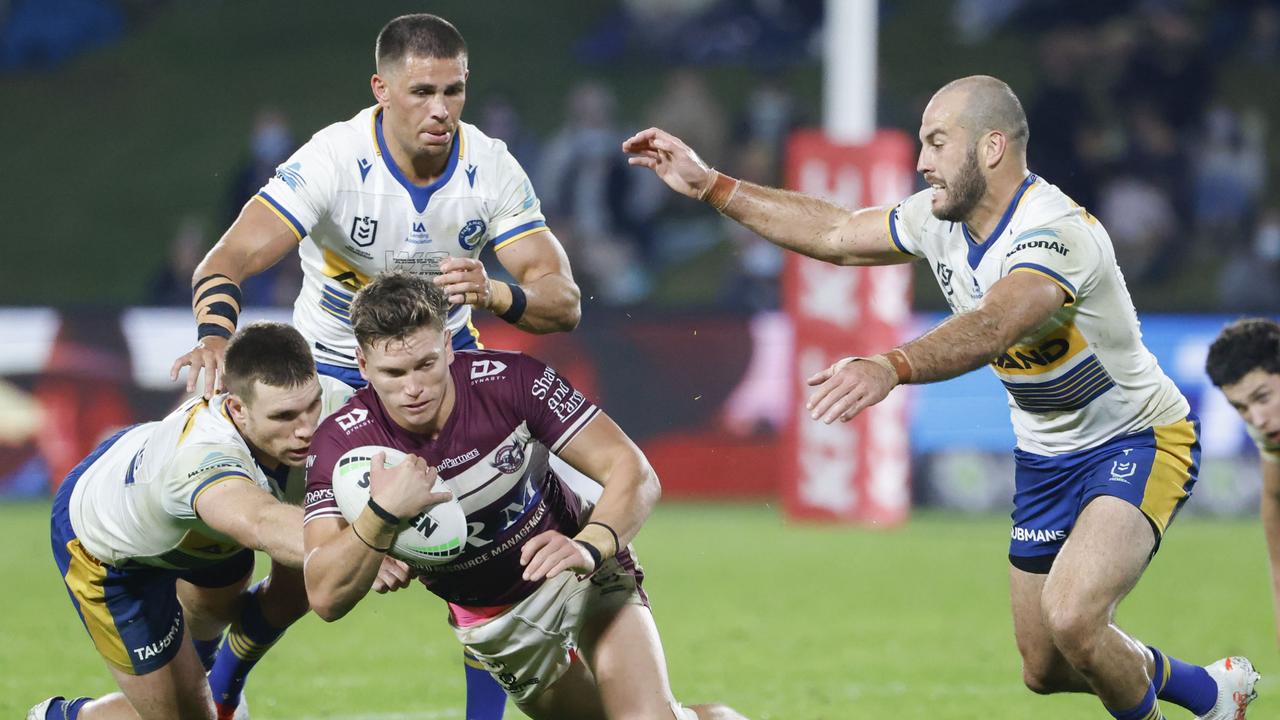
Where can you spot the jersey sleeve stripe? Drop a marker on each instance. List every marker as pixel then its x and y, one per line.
pixel 893 233
pixel 216 479
pixel 322 513
pixel 1038 269
pixel 575 428
pixel 517 232
pixel 283 214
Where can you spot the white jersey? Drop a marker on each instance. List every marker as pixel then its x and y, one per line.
pixel 356 215
pixel 1085 376
pixel 136 502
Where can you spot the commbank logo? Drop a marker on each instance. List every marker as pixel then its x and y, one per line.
pixel 291 175
pixel 486 368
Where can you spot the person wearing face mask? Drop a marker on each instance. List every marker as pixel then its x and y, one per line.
pixel 1108 449
pixel 403 185
pixel 154 532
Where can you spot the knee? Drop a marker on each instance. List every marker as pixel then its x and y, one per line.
pixel 1040 680
pixel 1075 630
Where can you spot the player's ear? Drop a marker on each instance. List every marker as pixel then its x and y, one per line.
pixel 361 362
pixel 235 407
pixel 996 145
pixel 448 347
pixel 381 93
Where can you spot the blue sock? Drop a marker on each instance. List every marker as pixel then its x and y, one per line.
pixel 1148 709
pixel 207 650
pixel 1189 686
pixel 247 641
pixel 63 709
pixel 486 700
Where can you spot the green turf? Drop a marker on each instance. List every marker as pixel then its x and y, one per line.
pixel 778 620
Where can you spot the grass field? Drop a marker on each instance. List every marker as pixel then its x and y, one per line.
pixel 783 622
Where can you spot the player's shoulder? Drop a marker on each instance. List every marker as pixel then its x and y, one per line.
pixel 478 145
pixel 350 137
pixel 1044 204
pixel 355 417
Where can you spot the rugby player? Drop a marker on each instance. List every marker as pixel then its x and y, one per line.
pixel 1244 362
pixel 154 532
pixel 405 184
pixel 1108 449
pixel 547 593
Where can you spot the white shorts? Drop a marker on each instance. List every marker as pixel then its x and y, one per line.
pixel 527 648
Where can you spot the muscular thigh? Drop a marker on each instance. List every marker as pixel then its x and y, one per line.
pixel 1103 558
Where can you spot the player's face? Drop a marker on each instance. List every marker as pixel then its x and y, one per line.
pixel 279 422
pixel 411 377
pixel 422 101
pixel 949 160
pixel 1257 398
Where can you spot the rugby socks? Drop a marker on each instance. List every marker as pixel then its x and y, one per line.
pixel 1148 709
pixel 247 641
pixel 63 709
pixel 486 700
pixel 207 650
pixel 1190 686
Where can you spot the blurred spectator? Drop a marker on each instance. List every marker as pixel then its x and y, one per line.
pixel 583 183
pixel 1230 171
pixel 44 33
pixel 271 142
pixel 1060 114
pixel 171 284
pixel 498 118
pixel 1140 220
pixel 1250 278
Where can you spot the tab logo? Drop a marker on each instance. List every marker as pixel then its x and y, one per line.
pixel 481 369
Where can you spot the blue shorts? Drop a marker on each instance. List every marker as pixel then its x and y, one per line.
pixel 132 614
pixel 1153 470
pixel 466 339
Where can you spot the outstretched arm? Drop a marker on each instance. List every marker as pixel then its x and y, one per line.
pixel 1013 308
pixel 257 240
pixel 249 515
pixel 791 220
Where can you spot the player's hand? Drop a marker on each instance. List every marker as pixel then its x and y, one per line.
pixel 847 388
pixel 464 281
pixel 674 162
pixel 210 355
pixel 404 490
pixel 551 553
pixel 393 575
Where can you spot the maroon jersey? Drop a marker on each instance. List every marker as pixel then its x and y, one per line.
pixel 509 411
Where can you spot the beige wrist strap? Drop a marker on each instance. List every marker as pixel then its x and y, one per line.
pixel 374 531
pixel 599 537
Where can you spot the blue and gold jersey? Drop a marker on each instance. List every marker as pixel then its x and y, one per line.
pixel 1084 376
pixel 136 502
pixel 356 214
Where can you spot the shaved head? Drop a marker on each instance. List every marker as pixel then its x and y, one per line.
pixel 986 104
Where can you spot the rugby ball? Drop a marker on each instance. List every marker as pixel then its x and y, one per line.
pixel 432 538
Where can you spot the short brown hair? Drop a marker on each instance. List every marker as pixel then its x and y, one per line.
pixel 1244 346
pixel 394 305
pixel 272 352
pixel 420 34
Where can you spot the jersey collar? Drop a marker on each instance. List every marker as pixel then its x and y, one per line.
pixel 977 249
pixel 421 195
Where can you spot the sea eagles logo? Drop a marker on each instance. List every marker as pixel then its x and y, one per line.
pixel 363 231
pixel 509 458
pixel 471 233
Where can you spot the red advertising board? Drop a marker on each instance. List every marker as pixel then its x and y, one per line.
pixel 857 471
